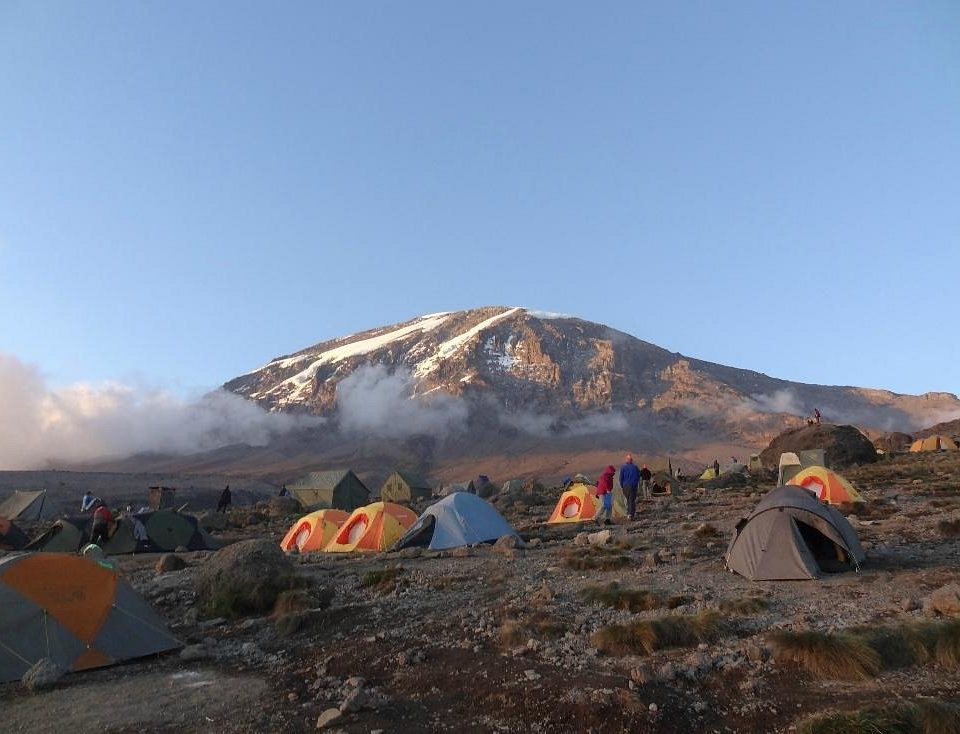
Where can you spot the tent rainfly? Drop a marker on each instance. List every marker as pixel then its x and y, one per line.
pixel 828 486
pixel 457 520
pixel 24 505
pixel 578 503
pixel 374 527
pixel 792 535
pixel 339 489
pixel 75 611
pixel 934 443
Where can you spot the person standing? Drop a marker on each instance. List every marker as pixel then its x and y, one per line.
pixel 645 476
pixel 816 416
pixel 605 495
pixel 630 481
pixel 716 468
pixel 102 517
pixel 86 502
pixel 225 499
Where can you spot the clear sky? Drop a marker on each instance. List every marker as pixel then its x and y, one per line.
pixel 189 189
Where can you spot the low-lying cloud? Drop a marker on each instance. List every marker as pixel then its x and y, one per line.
pixel 382 402
pixel 42 427
pixel 544 424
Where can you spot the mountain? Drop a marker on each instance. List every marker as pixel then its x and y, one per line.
pixel 498 380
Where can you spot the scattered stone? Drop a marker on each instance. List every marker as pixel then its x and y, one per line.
pixel 908 604
pixel 170 562
pixel 181 549
pixel 532 674
pixel 601 537
pixel 582 539
pixel 192 653
pixel 945 601
pixel 43 674
pixel 410 553
pixel 355 700
pixel 653 708
pixel 328 717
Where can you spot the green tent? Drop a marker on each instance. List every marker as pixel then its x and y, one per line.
pixel 339 489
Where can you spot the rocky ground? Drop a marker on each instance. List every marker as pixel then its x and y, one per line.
pixel 517 637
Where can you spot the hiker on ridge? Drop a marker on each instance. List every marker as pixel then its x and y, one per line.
pixel 645 476
pixel 224 500
pixel 605 495
pixel 630 481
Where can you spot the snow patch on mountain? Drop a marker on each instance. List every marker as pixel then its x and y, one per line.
pixel 449 347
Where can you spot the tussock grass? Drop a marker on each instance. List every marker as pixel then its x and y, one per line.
pixel 707 531
pixel 919 717
pixel 294 600
pixel 515 631
pixel 595 559
pixel 678 601
pixel 744 606
pixel 645 636
pixel 831 656
pixel 949 528
pixel 631 600
pixel 234 599
pixel 383 580
pixel 864 651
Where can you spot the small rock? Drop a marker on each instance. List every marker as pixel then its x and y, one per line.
pixel 181 549
pixel 653 708
pixel 328 717
pixel 908 604
pixel 531 674
pixel 356 700
pixel 533 542
pixel 194 652
pixel 582 539
pixel 170 562
pixel 601 537
pixel 293 697
pixel 355 681
pixel 43 674
pixel 508 541
pixel 945 601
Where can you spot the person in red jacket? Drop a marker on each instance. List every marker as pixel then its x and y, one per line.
pixel 605 495
pixel 102 517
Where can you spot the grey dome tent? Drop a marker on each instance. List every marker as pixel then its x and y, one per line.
pixel 456 520
pixel 792 535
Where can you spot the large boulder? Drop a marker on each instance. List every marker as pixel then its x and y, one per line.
pixel 894 442
pixel 843 445
pixel 243 578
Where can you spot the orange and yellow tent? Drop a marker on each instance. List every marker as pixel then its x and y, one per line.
pixel 578 503
pixel 374 527
pixel 827 485
pixel 73 610
pixel 934 443
pixel 313 531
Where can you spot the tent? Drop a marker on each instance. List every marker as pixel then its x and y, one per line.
pixel 789 467
pixel 460 519
pixel 11 537
pixel 404 486
pixel 755 465
pixel 792 535
pixel 312 532
pixel 708 473
pixel 166 530
pixel 828 486
pixel 339 489
pixel 374 527
pixel 934 443
pixel 75 611
pixel 25 505
pixel 578 504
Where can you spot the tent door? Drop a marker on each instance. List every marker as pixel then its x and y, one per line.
pixel 830 557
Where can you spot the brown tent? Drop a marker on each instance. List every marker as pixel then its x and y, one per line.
pixel 792 535
pixel 25 505
pixel 402 486
pixel 340 489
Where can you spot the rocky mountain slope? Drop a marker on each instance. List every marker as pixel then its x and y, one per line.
pixel 556 375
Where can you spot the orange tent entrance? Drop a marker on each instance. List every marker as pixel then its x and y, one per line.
pixel 578 504
pixel 312 532
pixel 374 527
pixel 827 485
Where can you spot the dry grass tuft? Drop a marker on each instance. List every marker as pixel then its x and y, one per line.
pixel 707 531
pixel 947 647
pixel 595 559
pixel 631 600
pixel 645 636
pixel 920 717
pixel 828 656
pixel 383 580
pixel 678 600
pixel 515 631
pixel 744 606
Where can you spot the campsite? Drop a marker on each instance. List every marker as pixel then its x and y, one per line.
pixel 458 613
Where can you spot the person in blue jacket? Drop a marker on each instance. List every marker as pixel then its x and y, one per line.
pixel 630 481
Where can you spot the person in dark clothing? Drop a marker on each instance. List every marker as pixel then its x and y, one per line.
pixel 605 495
pixel 283 491
pixel 816 416
pixel 630 481
pixel 100 532
pixel 716 468
pixel 645 476
pixel 224 502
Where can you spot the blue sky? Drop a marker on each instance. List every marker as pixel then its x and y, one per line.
pixel 190 189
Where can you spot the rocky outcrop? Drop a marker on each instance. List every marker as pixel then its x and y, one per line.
pixel 843 445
